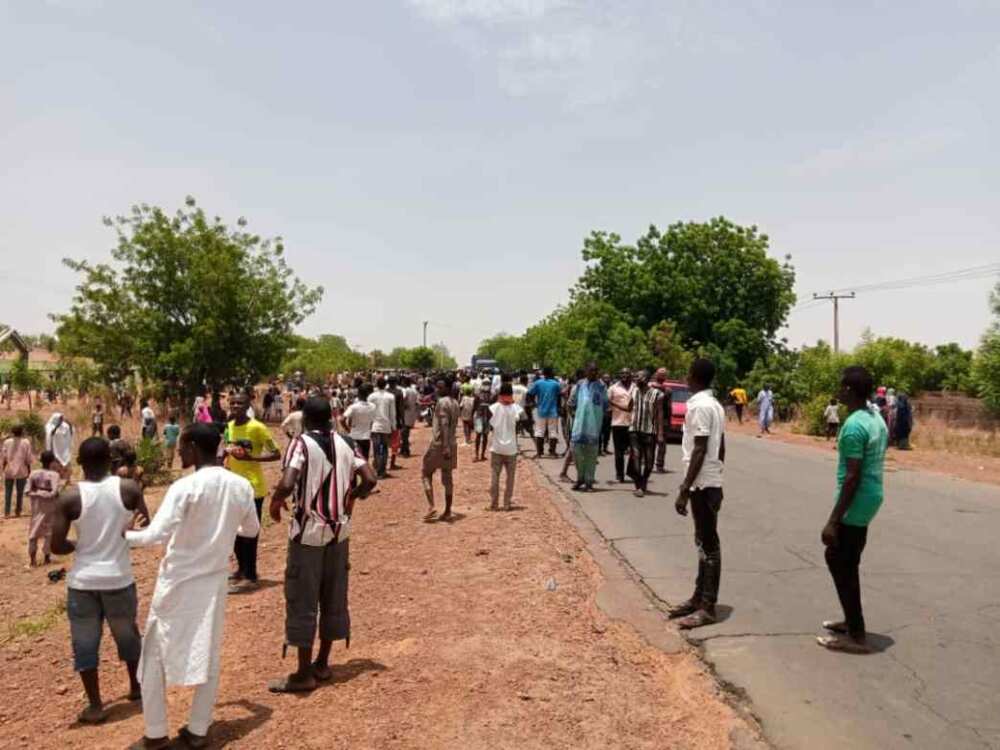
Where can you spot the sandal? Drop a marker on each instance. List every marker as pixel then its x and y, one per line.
pixel 192 740
pixel 843 644
pixel 683 609
pixel 840 628
pixel 322 672
pixel 289 685
pixel 696 620
pixel 431 515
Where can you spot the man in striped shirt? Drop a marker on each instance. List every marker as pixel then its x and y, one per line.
pixel 320 468
pixel 645 431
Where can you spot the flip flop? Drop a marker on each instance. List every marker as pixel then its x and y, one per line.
pixel 682 610
pixel 287 685
pixel 431 515
pixel 843 644
pixel 840 628
pixel 319 675
pixel 696 620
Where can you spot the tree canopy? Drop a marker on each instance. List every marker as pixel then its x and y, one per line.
pixel 186 300
pixel 986 364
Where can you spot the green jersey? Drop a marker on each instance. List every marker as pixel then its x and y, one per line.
pixel 863 436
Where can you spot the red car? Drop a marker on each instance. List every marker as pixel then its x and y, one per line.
pixel 678 409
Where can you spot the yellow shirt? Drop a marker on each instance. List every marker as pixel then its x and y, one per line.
pixel 739 396
pixel 262 442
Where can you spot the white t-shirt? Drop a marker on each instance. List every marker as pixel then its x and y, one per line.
pixel 520 391
pixel 705 417
pixel 832 414
pixel 385 411
pixel 360 416
pixel 292 426
pixel 504 421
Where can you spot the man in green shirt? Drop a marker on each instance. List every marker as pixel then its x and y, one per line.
pixel 861 449
pixel 248 445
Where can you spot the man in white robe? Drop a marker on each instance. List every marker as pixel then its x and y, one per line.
pixel 200 517
pixel 59 440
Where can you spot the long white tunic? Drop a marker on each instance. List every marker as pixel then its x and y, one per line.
pixel 59 438
pixel 198 520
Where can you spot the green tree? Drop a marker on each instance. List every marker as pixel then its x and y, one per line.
pixel 986 364
pixel 419 358
pixel 443 358
pixel 715 281
pixel 317 358
pixel 187 299
pixel 668 350
pixel 24 380
pixel 951 370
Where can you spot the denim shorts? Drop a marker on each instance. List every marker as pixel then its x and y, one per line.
pixel 88 609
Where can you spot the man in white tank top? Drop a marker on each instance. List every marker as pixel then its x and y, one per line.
pixel 100 585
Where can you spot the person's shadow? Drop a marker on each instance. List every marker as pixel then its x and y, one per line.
pixel 221 733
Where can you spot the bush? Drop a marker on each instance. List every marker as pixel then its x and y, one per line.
pixel 812 421
pixel 6 424
pixel 149 455
pixel 34 427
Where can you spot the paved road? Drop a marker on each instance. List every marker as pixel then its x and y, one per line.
pixel 931 587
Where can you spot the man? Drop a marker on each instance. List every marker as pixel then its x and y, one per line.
pixel 319 474
pixel 587 404
pixel 621 398
pixel 383 425
pixel 765 409
pixel 148 420
pixel 545 392
pixel 660 384
pixel 504 416
pixel 171 434
pixel 481 418
pixel 520 390
pixel 97 419
pixel 99 585
pixel 861 449
pixel 292 424
pixel 357 421
pixel 704 448
pixel 59 440
pixel 411 413
pixel 248 445
pixel 396 440
pixel 740 399
pixel 198 521
pixel 16 458
pixel 442 453
pixel 645 431
pixel 606 425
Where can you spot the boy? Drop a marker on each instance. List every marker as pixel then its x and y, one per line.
pixel 832 416
pixel 43 488
pixel 504 417
pixel 170 434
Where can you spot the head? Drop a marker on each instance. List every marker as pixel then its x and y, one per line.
pixel 856 385
pixel 625 377
pixel 506 389
pixel 661 375
pixel 548 373
pixel 441 386
pixel 95 458
pixel 17 431
pixel 591 372
pixel 316 414
pixel 238 405
pixel 364 391
pixel 767 386
pixel 48 459
pixel 173 419
pixel 523 380
pixel 833 402
pixel 198 445
pixel 701 374
pixel 642 379
pixel 300 403
pixel 144 403
pixel 114 432
pixel 393 381
pixel 407 381
pixel 380 383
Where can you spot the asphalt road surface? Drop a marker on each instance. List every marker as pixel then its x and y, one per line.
pixel 930 586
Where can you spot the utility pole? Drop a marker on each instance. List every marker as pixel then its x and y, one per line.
pixel 425 333
pixel 836 315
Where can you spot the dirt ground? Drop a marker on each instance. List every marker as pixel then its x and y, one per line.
pixel 457 643
pixel 977 468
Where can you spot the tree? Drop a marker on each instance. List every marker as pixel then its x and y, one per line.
pixel 443 358
pixel 318 358
pixel 714 281
pixel 986 364
pixel 186 299
pixel 24 380
pixel 419 358
pixel 668 350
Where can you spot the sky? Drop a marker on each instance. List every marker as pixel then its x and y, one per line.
pixel 443 160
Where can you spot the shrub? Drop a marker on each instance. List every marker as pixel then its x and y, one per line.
pixel 812 421
pixel 34 427
pixel 149 455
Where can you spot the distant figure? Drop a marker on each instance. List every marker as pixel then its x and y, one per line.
pixel 171 433
pixel 16 458
pixel 148 421
pixel 43 489
pixel 59 439
pixel 546 394
pixel 504 416
pixel 765 409
pixel 97 419
pixel 903 422
pixel 587 404
pixel 383 425
pixel 739 397
pixel 831 415
pixel 442 453
pixel 357 421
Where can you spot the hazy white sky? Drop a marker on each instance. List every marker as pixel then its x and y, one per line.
pixel 443 159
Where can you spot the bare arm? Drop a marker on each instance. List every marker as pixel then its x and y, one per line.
pixel 168 518
pixel 249 524
pixel 67 510
pixel 694 468
pixel 284 488
pixel 847 492
pixel 365 480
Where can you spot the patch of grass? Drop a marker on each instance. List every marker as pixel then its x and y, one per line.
pixel 936 434
pixel 30 627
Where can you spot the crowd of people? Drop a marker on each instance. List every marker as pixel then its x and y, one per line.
pixel 341 438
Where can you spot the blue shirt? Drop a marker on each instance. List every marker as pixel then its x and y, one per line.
pixel 590 401
pixel 546 393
